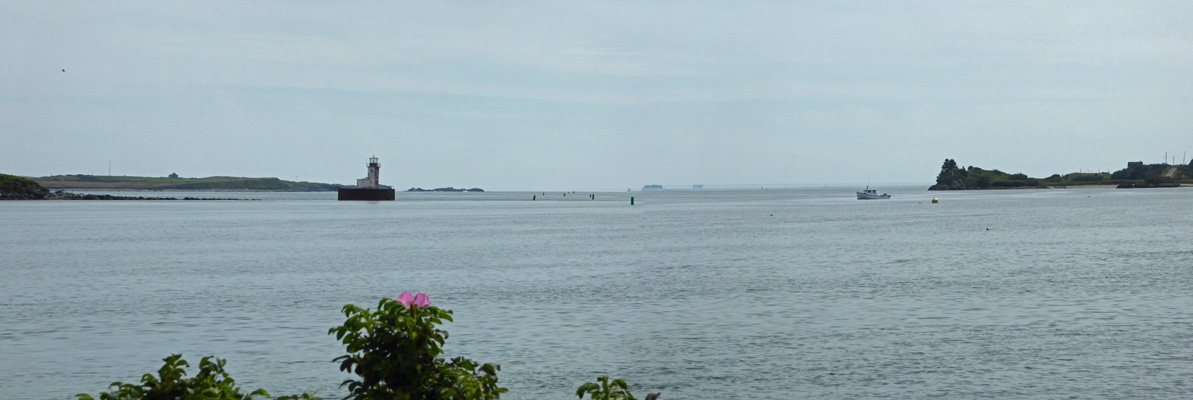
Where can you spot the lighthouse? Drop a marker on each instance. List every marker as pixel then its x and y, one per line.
pixel 373 180
pixel 370 187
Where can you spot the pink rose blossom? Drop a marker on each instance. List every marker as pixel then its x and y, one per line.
pixel 405 299
pixel 419 300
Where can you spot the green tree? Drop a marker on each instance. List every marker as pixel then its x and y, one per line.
pixel 949 173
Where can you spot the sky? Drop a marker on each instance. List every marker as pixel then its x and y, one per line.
pixel 600 95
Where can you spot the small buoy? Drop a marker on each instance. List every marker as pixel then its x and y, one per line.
pixel 935 200
pixel 533 198
pixel 631 200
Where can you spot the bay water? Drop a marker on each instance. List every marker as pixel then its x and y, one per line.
pixel 698 294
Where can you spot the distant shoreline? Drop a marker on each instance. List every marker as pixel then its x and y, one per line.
pixel 1105 186
pixel 86 189
pixel 173 183
pixel 1083 187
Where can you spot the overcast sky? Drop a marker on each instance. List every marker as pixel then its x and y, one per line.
pixel 598 95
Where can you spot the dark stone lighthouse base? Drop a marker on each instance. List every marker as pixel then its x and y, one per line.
pixel 367 194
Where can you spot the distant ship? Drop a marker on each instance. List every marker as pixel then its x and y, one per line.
pixel 870 194
pixel 652 187
pixel 370 187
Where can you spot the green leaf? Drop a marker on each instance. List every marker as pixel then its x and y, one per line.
pixel 586 388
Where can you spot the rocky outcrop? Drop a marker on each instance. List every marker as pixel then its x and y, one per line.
pixel 958 185
pixel 22 196
pixel 17 188
pixel 954 185
pixel 1144 185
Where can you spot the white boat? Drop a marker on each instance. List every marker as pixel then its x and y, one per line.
pixel 871 194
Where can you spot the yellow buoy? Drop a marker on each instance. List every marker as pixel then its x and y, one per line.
pixel 935 200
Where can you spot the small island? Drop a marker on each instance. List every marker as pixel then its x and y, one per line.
pixel 1135 175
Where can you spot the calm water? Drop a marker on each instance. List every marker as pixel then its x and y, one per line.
pixel 710 294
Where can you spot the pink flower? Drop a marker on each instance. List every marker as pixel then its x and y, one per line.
pixel 419 300
pixel 405 299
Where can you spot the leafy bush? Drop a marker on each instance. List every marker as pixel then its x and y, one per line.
pixel 396 351
pixel 10 184
pixel 615 389
pixel 1011 184
pixel 212 383
pixel 1086 177
pixel 983 181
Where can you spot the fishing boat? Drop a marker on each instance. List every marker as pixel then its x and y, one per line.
pixel 871 194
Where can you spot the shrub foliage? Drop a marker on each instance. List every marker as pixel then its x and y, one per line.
pixel 396 351
pixel 212 383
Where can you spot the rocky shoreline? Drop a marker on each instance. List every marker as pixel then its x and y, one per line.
pixel 63 195
pixel 961 186
pixel 1145 185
